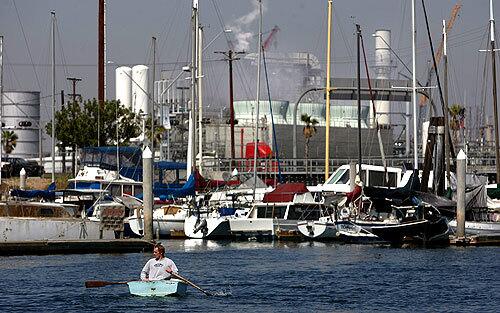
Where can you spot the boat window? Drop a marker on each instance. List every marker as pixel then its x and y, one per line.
pixel 127 189
pixel 116 190
pixel 339 175
pixel 137 190
pixel 376 178
pixel 304 212
pixel 271 211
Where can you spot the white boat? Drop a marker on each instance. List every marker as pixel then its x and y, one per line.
pixel 211 226
pixel 272 218
pixel 35 221
pixel 477 227
pixel 168 220
pixel 158 288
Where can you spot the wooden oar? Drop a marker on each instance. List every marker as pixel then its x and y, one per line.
pixel 101 283
pixel 175 275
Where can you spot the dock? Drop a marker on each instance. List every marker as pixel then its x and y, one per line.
pixel 475 240
pixel 43 247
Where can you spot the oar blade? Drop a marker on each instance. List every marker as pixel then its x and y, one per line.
pixel 96 283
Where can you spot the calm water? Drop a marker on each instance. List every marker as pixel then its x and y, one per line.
pixel 264 277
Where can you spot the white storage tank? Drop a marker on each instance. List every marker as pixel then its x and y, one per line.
pixel 140 89
pixel 123 86
pixel 21 114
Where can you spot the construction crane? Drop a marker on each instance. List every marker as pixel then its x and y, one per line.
pixel 439 52
pixel 270 38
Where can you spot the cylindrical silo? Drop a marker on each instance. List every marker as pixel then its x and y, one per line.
pixel 140 89
pixel 383 71
pixel 124 86
pixel 21 114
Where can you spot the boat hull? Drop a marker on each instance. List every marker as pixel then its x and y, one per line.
pixel 159 288
pixel 207 227
pixel 318 230
pixel 38 228
pixel 418 232
pixel 478 228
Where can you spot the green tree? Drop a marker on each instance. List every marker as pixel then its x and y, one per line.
pixel 159 132
pixel 308 131
pixel 9 141
pixel 76 125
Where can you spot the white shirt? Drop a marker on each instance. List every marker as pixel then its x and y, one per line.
pixel 157 269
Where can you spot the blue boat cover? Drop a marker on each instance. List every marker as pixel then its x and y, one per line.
pixel 172 193
pixel 48 194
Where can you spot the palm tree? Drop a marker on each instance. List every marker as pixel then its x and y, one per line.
pixel 457 114
pixel 308 131
pixel 9 141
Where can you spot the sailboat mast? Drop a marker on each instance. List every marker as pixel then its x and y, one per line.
pixel 152 98
pixel 494 78
pixel 256 138
pixel 358 76
pixel 191 129
pixel 327 124
pixel 414 86
pixel 446 122
pixel 1 102
pixel 53 45
pixel 200 96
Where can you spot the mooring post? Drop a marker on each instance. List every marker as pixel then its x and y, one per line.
pixel 22 179
pixel 147 189
pixel 352 175
pixel 461 163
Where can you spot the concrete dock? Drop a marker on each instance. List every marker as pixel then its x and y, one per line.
pixel 41 247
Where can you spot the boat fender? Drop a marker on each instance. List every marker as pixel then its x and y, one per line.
pixel 345 213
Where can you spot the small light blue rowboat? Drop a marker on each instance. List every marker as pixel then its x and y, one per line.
pixel 160 288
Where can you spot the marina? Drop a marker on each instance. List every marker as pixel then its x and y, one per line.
pixel 339 171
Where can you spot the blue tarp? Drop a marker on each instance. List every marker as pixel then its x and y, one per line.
pixel 172 193
pixel 48 194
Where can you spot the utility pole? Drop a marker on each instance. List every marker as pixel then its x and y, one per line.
pixel 53 15
pixel 74 80
pixel 230 57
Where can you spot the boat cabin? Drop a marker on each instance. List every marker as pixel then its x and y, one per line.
pixel 371 175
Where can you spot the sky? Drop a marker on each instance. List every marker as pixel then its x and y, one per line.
pixel 25 25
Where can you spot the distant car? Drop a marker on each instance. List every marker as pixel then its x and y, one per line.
pixel 32 168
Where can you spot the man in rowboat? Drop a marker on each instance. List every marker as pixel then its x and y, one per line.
pixel 159 267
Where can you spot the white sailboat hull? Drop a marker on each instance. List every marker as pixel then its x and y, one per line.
pixel 165 225
pixel 206 227
pixel 318 230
